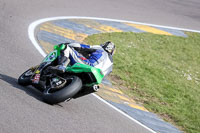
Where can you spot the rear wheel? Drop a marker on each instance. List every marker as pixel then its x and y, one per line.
pixel 24 79
pixel 62 89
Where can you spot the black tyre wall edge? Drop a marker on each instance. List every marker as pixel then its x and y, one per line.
pixel 65 93
pixel 24 81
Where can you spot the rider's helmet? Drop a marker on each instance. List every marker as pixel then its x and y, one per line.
pixel 109 47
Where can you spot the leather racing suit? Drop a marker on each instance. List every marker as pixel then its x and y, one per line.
pixel 94 56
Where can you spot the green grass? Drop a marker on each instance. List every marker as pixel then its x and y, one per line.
pixel 162 72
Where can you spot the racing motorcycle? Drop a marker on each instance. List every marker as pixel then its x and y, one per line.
pixel 78 79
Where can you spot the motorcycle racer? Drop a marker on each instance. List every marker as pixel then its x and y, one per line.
pixel 99 56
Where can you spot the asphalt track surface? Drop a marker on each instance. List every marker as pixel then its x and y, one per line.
pixel 21 109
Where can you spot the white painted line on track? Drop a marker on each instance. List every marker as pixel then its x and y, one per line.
pixel 107 19
pixel 31 33
pixel 123 113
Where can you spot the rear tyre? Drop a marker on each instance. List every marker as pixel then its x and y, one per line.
pixel 24 79
pixel 67 91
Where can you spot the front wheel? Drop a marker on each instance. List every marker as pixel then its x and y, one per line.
pixel 24 79
pixel 71 86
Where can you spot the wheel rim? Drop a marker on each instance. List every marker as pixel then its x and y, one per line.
pixel 51 90
pixel 27 74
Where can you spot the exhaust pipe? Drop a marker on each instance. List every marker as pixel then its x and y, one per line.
pixel 95 87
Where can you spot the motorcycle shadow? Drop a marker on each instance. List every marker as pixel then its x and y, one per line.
pixel 31 91
pixel 83 92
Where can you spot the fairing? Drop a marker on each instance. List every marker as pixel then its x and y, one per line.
pixel 76 68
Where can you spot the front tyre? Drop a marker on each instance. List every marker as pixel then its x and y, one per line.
pixel 24 79
pixel 56 95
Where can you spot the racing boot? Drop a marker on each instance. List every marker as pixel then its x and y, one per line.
pixel 60 68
